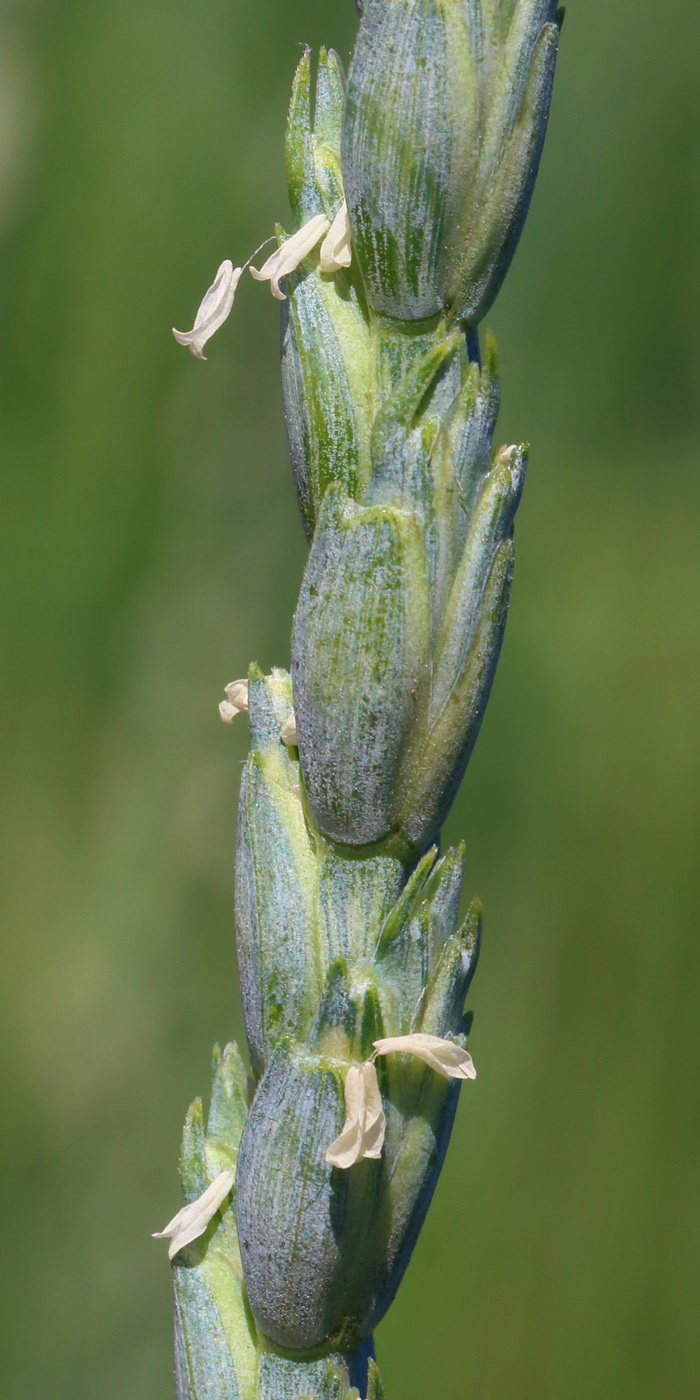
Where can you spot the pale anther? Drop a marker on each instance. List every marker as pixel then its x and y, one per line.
pixel 236 701
pixel 192 1220
pixel 505 455
pixel 290 253
pixel 289 732
pixel 444 1056
pixel 214 310
pixel 236 693
pixel 365 1123
pixel 336 249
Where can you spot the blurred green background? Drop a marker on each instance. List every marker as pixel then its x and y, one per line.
pixel 151 549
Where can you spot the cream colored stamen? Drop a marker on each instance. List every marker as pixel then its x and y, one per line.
pixel 287 257
pixel 336 249
pixel 289 732
pixel 444 1056
pixel 192 1220
pixel 214 310
pixel 365 1123
pixel 236 702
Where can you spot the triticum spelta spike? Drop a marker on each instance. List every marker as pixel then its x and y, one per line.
pixel 409 185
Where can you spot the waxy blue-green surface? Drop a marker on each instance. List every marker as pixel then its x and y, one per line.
pixel 404 602
pixel 344 934
pixel 328 376
pixel 447 110
pixel 151 549
pixel 276 881
pixel 216 1356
